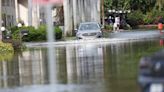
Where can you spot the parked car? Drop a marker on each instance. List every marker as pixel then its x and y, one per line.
pixel 89 30
pixel 151 72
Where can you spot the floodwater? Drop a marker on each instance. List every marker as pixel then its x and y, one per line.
pixel 79 68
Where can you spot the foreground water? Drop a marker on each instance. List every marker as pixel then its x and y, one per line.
pixel 79 68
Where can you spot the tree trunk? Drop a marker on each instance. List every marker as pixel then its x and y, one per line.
pixel 77 11
pixel 35 16
pixel 59 16
pixel 159 5
pixel 75 14
pixel 68 18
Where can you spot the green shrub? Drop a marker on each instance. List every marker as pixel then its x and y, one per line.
pixel 5 47
pixel 153 17
pixel 13 29
pixel 135 18
pixel 58 32
pixel 108 27
pixel 6 51
pixel 149 18
pixel 34 34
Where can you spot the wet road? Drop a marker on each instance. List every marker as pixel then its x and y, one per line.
pixel 91 67
pixel 109 38
pixel 79 68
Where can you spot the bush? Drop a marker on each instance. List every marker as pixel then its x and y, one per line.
pixel 135 18
pixel 34 34
pixel 6 51
pixel 58 32
pixel 149 18
pixel 13 29
pixel 153 17
pixel 108 27
pixel 5 47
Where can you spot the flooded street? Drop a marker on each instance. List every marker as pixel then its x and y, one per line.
pixel 88 67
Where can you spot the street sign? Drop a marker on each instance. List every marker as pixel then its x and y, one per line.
pixel 44 2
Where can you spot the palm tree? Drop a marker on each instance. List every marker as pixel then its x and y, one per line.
pixel 159 5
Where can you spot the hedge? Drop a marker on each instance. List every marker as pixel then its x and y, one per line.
pixel 35 34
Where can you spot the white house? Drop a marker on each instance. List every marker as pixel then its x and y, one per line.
pixel 8 13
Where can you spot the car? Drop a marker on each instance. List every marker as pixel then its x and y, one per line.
pixel 89 30
pixel 151 72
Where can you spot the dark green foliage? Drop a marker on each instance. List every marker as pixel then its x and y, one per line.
pixel 13 29
pixel 153 17
pixel 6 51
pixel 58 32
pixel 143 11
pixel 142 5
pixel 135 18
pixel 34 34
pixel 108 27
pixel 138 18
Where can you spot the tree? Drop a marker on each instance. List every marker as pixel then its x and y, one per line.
pixel 142 5
pixel 159 5
pixel 68 18
pixel 77 11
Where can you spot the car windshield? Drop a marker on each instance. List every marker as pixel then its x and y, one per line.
pixel 92 26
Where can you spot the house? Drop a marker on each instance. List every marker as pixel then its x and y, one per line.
pixel 8 13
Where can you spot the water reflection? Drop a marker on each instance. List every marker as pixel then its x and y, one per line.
pixel 23 70
pixel 88 67
pixel 161 42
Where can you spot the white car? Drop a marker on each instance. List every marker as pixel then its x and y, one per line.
pixel 89 30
